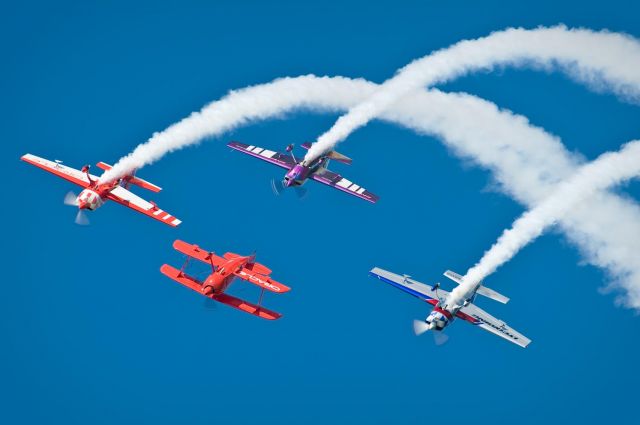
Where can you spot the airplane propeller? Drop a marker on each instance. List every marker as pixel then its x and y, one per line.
pixel 439 338
pixel 420 327
pixel 277 187
pixel 81 218
pixel 300 191
pixel 71 199
pixel 209 304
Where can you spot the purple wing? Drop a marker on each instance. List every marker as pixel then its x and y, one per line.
pixel 337 181
pixel 277 158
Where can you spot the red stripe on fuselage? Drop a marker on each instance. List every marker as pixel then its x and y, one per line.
pixel 445 312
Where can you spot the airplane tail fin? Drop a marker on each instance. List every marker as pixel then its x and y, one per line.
pixel 332 154
pixel 482 290
pixel 132 179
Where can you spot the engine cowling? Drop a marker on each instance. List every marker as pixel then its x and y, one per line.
pixel 89 199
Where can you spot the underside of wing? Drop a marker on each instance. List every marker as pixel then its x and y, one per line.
pixel 276 158
pixel 124 197
pixel 408 285
pixel 484 320
pixel 247 307
pixel 338 182
pixel 67 173
pixel 198 253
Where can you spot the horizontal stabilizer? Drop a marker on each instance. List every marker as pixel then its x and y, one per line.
pixel 132 179
pixel 104 166
pixel 482 290
pixel 336 156
pixel 306 145
pixel 490 293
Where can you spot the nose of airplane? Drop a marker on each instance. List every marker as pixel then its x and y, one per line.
pixel 207 290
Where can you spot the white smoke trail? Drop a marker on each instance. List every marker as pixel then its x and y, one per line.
pixel 599 59
pixel 607 170
pixel 237 108
pixel 526 161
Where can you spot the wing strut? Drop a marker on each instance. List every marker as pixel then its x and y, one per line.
pixel 186 263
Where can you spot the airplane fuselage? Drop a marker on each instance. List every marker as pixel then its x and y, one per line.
pixel 221 278
pixel 299 174
pixel 95 195
pixel 443 313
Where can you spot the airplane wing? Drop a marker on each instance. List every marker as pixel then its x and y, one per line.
pixel 261 280
pixel 67 173
pixel 247 307
pixel 196 252
pixel 484 320
pixel 280 159
pixel 237 303
pixel 181 278
pixel 337 181
pixel 123 197
pixel 410 286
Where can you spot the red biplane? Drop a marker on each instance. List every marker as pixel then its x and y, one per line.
pixel 223 271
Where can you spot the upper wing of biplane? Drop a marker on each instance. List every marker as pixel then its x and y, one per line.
pixel 124 197
pixel 337 181
pixel 67 173
pixel 280 159
pixel 484 320
pixel 261 280
pixel 410 286
pixel 198 253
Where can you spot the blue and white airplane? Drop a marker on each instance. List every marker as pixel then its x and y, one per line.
pixel 443 313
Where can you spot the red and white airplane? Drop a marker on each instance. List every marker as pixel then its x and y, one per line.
pixel 94 194
pixel 223 271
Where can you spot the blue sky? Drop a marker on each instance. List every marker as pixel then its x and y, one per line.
pixel 93 333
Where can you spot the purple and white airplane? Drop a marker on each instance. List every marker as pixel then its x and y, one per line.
pixel 298 171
